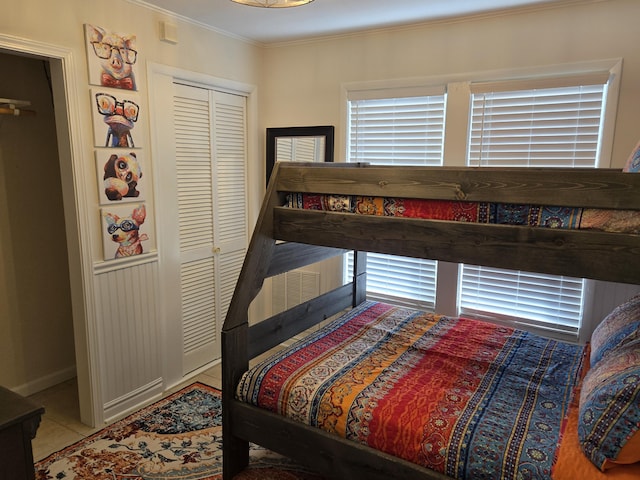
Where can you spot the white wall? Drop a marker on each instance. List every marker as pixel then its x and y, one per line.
pixel 305 78
pixel 61 23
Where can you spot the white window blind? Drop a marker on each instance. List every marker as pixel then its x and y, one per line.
pixel 539 127
pixel 398 131
pixel 548 302
pixel 299 149
pixel 551 127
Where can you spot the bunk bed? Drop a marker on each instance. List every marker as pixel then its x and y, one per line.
pixel 606 246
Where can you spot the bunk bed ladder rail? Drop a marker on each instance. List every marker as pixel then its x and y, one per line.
pixel 240 342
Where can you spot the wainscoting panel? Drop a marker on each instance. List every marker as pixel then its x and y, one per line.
pixel 129 330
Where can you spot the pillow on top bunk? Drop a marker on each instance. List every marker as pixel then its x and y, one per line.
pixel 621 326
pixel 633 163
pixel 609 421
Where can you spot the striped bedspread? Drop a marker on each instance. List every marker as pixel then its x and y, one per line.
pixel 466 398
pixel 543 216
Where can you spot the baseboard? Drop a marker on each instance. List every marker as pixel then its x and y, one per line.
pixel 133 401
pixel 42 383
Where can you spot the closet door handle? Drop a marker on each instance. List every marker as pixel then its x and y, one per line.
pixel 216 249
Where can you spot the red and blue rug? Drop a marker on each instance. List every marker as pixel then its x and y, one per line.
pixel 179 437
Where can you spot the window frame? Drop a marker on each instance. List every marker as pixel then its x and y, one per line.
pixel 458 90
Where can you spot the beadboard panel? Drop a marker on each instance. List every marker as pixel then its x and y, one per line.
pixel 129 331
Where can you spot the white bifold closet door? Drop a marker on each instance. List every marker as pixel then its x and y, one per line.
pixel 210 139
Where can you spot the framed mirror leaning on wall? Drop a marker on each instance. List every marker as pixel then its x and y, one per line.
pixel 299 144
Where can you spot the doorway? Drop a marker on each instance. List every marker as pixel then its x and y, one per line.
pixel 36 313
pixel 57 66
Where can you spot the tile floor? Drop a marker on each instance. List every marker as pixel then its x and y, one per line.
pixel 60 425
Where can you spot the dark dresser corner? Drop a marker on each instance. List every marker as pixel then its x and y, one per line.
pixel 19 421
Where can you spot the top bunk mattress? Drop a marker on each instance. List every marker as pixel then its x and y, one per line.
pixel 462 397
pixel 545 216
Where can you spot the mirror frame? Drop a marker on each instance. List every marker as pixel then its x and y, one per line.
pixel 326 131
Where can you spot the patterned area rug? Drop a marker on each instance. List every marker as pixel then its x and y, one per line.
pixel 179 437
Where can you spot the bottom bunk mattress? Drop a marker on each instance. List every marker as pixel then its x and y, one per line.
pixel 466 398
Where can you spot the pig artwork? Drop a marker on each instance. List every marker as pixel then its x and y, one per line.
pixel 116 56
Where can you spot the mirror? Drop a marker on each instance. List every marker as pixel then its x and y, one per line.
pixel 299 144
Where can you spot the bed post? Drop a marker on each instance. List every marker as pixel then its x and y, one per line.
pixel 235 454
pixel 359 277
pixel 235 331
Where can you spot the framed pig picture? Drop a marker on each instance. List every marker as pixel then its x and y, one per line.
pixel 120 175
pixel 111 58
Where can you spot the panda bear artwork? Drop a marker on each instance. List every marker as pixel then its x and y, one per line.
pixel 119 176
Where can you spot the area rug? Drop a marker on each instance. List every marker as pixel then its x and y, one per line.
pixel 179 437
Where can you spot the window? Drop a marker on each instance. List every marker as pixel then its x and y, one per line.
pixel 548 127
pixel 556 126
pixel 398 131
pixel 545 122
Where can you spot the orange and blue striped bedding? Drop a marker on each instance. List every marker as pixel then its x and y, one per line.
pixel 544 216
pixel 465 398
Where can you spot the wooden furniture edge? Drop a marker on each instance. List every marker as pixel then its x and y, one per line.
pixel 327 453
pixel 576 253
pixel 574 187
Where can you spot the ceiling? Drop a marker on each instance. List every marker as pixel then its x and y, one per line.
pixel 324 17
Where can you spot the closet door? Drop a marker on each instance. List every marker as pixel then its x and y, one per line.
pixel 210 141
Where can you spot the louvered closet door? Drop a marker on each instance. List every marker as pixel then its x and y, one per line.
pixel 210 168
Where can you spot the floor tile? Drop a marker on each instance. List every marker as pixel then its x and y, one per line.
pixel 52 437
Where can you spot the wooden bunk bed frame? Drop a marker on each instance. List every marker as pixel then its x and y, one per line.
pixel 285 239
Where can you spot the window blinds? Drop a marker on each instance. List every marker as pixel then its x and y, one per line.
pixel 398 131
pixel 541 122
pixel 553 127
pixel 399 280
pixel 550 302
pixel 558 126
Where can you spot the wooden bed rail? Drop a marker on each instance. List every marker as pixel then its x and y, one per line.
pixel 569 187
pixel 574 253
pixel 325 452
pixel 578 253
pixel 266 258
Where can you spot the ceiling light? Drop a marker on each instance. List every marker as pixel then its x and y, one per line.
pixel 273 3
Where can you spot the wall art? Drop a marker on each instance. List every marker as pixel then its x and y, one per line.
pixel 111 58
pixel 124 230
pixel 120 176
pixel 115 114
